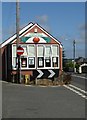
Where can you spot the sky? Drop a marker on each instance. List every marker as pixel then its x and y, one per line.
pixel 64 20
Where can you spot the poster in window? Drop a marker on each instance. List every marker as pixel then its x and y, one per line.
pixel 54 59
pixel 31 62
pixel 23 62
pixel 47 62
pixel 40 62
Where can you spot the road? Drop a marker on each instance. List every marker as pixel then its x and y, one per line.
pixel 20 101
pixel 79 80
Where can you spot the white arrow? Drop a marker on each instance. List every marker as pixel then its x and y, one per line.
pixel 40 73
pixel 52 74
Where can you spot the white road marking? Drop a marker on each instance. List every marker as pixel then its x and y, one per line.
pixel 79 76
pixel 78 88
pixel 75 91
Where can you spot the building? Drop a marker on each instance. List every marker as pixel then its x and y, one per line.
pixel 42 57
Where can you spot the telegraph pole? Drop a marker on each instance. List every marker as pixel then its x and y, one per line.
pixel 18 40
pixel 74 54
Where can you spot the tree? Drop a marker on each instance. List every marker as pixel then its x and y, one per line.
pixel 63 55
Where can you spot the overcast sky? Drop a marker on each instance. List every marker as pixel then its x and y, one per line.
pixel 64 20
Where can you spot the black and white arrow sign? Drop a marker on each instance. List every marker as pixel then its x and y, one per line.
pixel 52 73
pixel 45 74
pixel 40 74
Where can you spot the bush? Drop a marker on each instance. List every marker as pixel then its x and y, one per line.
pixel 65 78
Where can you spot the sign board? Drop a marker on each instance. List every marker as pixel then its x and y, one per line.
pixel 20 50
pixel 46 74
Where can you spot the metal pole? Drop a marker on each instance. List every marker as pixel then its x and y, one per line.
pixel 74 54
pixel 18 40
pixel 20 68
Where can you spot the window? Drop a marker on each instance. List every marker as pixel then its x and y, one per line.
pixel 40 51
pixel 40 62
pixel 23 62
pixel 55 61
pixel 40 55
pixel 47 56
pixel 55 55
pixel 14 51
pixel 14 62
pixel 31 62
pixel 47 51
pixel 31 51
pixel 25 51
pixel 14 56
pixel 47 62
pixel 55 50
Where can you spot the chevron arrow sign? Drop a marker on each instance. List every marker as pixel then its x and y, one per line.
pixel 45 74
pixel 40 74
pixel 52 73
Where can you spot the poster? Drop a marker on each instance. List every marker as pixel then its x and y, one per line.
pixel 31 61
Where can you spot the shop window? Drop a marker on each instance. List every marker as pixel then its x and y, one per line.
pixel 25 51
pixel 31 62
pixel 40 51
pixel 14 56
pixel 47 56
pixel 24 62
pixel 47 62
pixel 47 51
pixel 40 62
pixel 14 51
pixel 14 62
pixel 55 61
pixel 31 51
pixel 55 51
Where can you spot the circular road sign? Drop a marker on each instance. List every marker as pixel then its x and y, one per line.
pixel 20 50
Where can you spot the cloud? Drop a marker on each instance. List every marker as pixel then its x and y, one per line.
pixel 44 22
pixel 42 19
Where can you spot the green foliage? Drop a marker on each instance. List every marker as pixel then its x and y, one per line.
pixel 69 64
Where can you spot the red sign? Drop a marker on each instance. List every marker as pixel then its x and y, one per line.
pixel 20 50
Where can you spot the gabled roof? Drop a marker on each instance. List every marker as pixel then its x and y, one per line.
pixel 25 30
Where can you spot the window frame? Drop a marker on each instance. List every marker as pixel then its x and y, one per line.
pixel 51 56
pixel 25 56
pixel 36 56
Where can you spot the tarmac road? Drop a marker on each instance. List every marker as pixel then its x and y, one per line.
pixel 20 101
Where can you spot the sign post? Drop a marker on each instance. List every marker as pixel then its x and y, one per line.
pixel 20 51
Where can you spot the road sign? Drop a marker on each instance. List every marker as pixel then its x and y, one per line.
pixel 40 74
pixel 20 50
pixel 46 74
pixel 52 73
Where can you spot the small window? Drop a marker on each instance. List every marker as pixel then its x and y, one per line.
pixel 55 61
pixel 40 62
pixel 31 62
pixel 47 62
pixel 23 62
